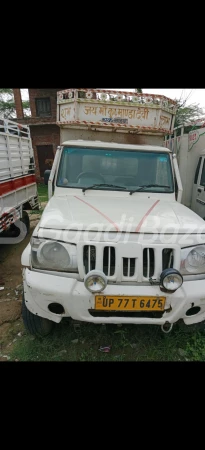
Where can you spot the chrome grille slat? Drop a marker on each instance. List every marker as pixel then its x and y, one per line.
pixel 128 268
pixel 109 256
pixel 148 263
pixel 158 261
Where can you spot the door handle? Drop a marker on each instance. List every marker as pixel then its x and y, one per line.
pixel 199 190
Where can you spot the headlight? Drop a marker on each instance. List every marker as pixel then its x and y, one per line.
pixel 53 255
pixel 193 260
pixel 95 281
pixel 171 279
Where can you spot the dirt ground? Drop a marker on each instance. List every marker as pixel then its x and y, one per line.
pixel 11 290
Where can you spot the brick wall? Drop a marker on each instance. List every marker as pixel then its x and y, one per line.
pixel 47 134
pixel 41 93
pixel 44 135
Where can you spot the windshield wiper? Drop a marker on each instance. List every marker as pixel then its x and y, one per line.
pixel 140 188
pixel 104 184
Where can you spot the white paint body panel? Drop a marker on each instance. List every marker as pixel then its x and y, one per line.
pixel 20 150
pixel 70 212
pixel 188 148
pixel 43 289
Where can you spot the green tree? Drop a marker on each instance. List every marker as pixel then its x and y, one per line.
pixel 7 105
pixel 138 90
pixel 187 114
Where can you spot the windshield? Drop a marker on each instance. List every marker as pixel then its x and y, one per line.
pixel 103 169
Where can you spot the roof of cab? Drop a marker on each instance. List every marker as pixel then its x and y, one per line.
pixel 101 144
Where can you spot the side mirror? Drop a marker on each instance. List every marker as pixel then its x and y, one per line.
pixel 46 176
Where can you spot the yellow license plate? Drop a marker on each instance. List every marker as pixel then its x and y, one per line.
pixel 117 303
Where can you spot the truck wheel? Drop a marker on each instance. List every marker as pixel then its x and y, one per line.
pixel 36 325
pixel 191 328
pixel 25 220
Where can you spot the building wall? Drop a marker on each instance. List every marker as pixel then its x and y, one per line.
pixel 43 129
pixel 41 93
pixel 44 135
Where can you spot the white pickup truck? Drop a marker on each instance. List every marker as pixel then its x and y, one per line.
pixel 114 243
pixel 18 188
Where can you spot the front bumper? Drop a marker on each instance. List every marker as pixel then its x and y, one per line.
pixel 42 289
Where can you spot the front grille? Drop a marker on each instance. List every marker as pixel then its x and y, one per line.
pixel 129 267
pixel 120 263
pixel 109 261
pixel 89 257
pixel 167 258
pixel 148 262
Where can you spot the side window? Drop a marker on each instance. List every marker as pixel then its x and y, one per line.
pixel 202 182
pixel 197 170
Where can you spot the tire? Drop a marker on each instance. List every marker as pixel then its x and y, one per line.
pixel 15 231
pixel 187 329
pixel 24 220
pixel 36 325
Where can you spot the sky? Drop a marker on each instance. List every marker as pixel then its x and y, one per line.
pixel 196 96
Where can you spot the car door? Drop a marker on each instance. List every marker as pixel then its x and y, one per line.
pixel 198 195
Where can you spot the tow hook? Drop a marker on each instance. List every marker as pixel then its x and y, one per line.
pixel 167 327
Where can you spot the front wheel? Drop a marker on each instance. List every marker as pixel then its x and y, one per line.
pixel 36 325
pixel 193 328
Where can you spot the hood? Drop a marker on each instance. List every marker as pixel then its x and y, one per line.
pixel 134 213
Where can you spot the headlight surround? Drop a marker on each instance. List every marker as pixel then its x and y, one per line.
pixel 95 281
pixel 171 279
pixel 48 254
pixel 193 260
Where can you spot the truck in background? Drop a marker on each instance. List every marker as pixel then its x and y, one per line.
pixel 18 188
pixel 189 147
pixel 114 243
